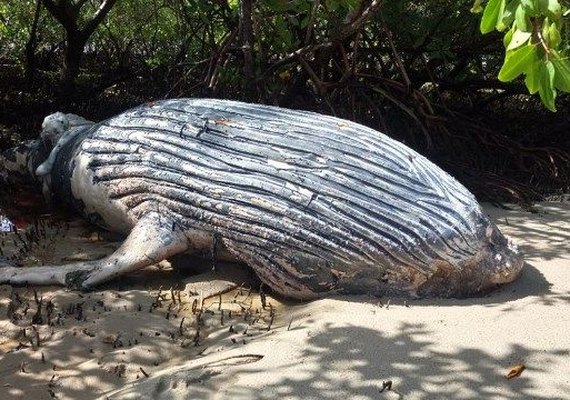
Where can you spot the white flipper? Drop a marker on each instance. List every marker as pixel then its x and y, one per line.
pixel 152 240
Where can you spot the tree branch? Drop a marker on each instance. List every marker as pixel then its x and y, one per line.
pixel 58 10
pixel 345 32
pixel 31 44
pixel 99 15
pixel 357 23
pixel 246 41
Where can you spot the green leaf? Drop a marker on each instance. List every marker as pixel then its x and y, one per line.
pixel 551 8
pixel 277 5
pixel 530 7
pixel 333 5
pixel 555 9
pixel 562 74
pixel 477 8
pixel 294 21
pixel 517 61
pixel 532 79
pixel 351 4
pixel 491 15
pixel 519 38
pixel 521 19
pixel 546 88
pixel 500 26
pixel 508 37
pixel 508 15
pixel 284 33
pixel 554 37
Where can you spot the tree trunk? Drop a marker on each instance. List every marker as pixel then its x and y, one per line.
pixel 72 60
pixel 67 14
pixel 31 46
pixel 246 41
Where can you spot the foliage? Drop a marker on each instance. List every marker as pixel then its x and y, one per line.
pixel 147 30
pixel 419 71
pixel 536 42
pixel 15 23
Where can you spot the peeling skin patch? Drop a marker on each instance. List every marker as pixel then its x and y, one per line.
pixel 280 164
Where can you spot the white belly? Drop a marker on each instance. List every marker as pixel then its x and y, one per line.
pixel 96 200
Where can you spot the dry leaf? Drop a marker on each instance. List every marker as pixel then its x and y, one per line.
pixel 515 371
pixel 285 75
pixel 110 339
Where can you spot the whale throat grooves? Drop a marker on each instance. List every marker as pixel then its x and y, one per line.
pixel 298 194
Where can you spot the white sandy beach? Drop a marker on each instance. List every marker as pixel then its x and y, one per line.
pixel 127 342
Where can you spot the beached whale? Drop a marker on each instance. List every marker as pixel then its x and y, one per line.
pixel 314 204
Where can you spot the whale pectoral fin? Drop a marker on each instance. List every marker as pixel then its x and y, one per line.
pixel 152 240
pixel 48 275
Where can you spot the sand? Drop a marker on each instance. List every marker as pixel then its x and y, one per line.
pixel 138 338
